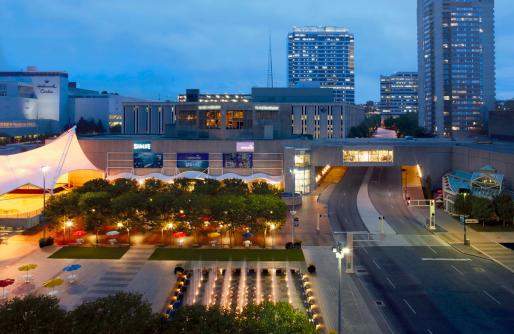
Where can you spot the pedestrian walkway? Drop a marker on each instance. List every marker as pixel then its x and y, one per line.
pixel 120 273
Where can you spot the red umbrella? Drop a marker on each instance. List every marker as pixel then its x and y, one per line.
pixel 179 234
pixel 5 283
pixel 79 233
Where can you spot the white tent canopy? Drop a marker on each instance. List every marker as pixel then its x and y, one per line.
pixel 43 165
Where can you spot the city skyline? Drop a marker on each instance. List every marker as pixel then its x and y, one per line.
pixel 159 53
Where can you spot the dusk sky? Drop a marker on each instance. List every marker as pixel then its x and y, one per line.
pixel 151 48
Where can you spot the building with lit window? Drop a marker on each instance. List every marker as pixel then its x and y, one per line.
pixel 194 95
pixel 241 120
pixel 324 56
pixel 399 93
pixel 456 64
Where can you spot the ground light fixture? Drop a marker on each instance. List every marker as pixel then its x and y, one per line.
pixel 340 251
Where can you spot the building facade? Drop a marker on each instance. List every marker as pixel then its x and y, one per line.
pixel 456 64
pixel 399 93
pixel 241 120
pixel 323 55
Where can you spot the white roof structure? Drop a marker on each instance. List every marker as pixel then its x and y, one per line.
pixel 43 165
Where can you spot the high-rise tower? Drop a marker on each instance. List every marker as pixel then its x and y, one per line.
pixel 323 56
pixel 456 64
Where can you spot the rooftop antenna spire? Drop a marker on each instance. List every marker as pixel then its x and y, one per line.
pixel 270 64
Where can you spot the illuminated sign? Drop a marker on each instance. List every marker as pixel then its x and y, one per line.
pixel 193 160
pixel 237 160
pixel 209 107
pixel 269 108
pixel 245 146
pixel 148 160
pixel 142 146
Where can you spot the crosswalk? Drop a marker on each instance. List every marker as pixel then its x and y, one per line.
pixel 498 253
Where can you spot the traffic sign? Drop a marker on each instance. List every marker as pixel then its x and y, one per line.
pixel 296 221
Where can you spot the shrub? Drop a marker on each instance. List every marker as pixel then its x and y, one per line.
pixel 178 269
pixel 297 245
pixel 311 269
pixel 289 245
pixel 43 242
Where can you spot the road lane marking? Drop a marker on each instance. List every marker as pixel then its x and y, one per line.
pixel 391 282
pixel 433 250
pixel 429 331
pixel 406 302
pixel 490 296
pixel 443 259
pixel 365 250
pixel 457 270
pixel 376 264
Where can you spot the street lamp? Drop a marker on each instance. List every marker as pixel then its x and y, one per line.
pixel 67 224
pixel 120 225
pixel 44 170
pixel 272 227
pixel 340 251
pixel 169 226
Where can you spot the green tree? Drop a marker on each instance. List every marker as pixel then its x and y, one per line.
pixel 33 314
pixel 462 205
pixel 122 186
pixel 61 207
pixel 95 185
pixel 279 318
pixel 129 209
pixel 99 127
pixel 118 313
pixel 263 188
pixel 504 208
pixel 207 187
pixel 234 187
pixel 96 209
pixel 233 211
pixel 198 319
pixel 481 208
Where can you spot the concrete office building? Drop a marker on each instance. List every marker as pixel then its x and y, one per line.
pixel 399 93
pixel 456 64
pixel 194 95
pixel 322 55
pixel 18 108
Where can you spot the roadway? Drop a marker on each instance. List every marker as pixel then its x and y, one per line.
pixel 425 289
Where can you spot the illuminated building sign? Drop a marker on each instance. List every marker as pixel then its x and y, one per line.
pixel 193 160
pixel 245 146
pixel 142 146
pixel 267 108
pixel 148 160
pixel 209 107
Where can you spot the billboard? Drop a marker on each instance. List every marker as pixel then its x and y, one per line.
pixel 193 160
pixel 237 160
pixel 148 160
pixel 245 146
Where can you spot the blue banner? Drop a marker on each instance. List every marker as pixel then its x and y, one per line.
pixel 193 160
pixel 148 160
pixel 238 160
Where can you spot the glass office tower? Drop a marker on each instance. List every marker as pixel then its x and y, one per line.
pixel 322 56
pixel 456 64
pixel 399 93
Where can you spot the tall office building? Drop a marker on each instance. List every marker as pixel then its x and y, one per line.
pixel 399 93
pixel 322 56
pixel 455 64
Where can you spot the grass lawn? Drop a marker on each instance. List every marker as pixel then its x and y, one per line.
pixel 111 253
pixel 187 254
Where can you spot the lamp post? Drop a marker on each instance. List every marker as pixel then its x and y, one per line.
pixel 120 225
pixel 272 228
pixel 67 224
pixel 169 226
pixel 339 251
pixel 44 170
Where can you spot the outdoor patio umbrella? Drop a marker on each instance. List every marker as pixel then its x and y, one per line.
pixel 53 283
pixel 247 235
pixel 179 234
pixel 112 233
pixel 79 233
pixel 71 268
pixel 27 268
pixel 214 235
pixel 5 283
